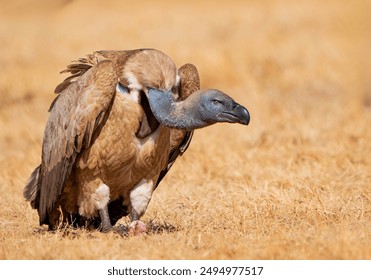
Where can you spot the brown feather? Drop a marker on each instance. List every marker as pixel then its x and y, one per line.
pixel 84 103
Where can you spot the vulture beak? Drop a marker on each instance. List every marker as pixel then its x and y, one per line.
pixel 237 114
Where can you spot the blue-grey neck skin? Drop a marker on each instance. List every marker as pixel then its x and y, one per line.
pixel 181 115
pixel 200 109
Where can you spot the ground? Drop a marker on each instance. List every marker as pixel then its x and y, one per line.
pixel 294 184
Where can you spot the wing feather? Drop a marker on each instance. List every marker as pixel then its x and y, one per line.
pixel 75 115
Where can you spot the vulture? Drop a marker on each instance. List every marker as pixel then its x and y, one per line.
pixel 117 125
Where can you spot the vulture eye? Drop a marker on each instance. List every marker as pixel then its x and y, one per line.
pixel 217 102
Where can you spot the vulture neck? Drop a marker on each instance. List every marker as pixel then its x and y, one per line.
pixel 180 115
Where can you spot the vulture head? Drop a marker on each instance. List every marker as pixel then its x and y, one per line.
pixel 202 108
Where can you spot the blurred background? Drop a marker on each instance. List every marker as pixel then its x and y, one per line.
pixel 302 68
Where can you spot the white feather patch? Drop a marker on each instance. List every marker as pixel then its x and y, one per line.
pixel 141 195
pixel 135 96
pixel 177 80
pixel 133 81
pixel 102 196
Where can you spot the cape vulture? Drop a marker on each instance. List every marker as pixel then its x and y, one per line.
pixel 118 124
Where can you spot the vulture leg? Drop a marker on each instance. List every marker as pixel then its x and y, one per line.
pixel 94 197
pixel 104 217
pixel 140 196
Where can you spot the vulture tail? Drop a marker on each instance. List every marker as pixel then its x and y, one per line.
pixel 32 188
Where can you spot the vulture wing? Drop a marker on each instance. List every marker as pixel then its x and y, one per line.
pixel 78 112
pixel 180 139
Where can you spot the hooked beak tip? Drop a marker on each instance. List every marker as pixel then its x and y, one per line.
pixel 243 114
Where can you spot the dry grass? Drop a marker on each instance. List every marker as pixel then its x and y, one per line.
pixel 295 184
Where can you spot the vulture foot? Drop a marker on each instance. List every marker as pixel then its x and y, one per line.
pixel 137 228
pixel 116 230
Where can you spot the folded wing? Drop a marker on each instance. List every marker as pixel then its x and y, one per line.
pixel 78 112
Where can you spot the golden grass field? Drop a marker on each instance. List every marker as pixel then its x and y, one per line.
pixel 294 184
